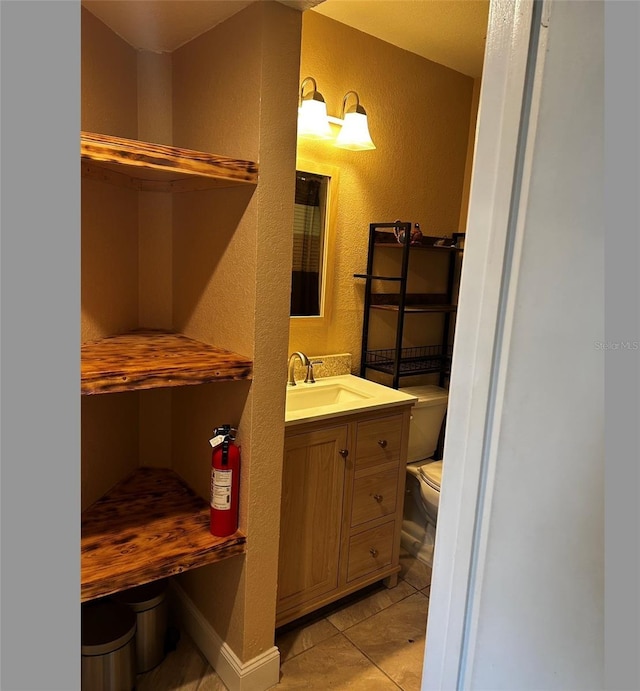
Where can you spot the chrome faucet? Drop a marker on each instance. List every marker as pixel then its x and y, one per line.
pixel 310 379
pixel 292 363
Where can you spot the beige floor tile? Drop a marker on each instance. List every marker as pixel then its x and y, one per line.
pixel 333 664
pixel 210 682
pixel 183 669
pixel 304 637
pixel 370 604
pixel 414 571
pixel 394 639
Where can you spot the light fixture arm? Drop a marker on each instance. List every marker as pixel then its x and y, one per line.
pixel 314 94
pixel 354 109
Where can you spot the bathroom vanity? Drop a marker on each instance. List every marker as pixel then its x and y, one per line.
pixel 342 493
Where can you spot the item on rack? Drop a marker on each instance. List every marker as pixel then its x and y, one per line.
pixel 225 481
pixel 416 234
pixel 398 232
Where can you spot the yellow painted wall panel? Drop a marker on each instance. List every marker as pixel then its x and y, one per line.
pixel 419 116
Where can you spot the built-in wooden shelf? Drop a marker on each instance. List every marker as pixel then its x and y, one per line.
pixel 149 526
pixel 157 167
pixel 150 359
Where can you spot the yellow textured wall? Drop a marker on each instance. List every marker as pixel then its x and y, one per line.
pixel 109 289
pixel 108 80
pixel 109 251
pixel 419 120
pixel 235 93
pixel 155 251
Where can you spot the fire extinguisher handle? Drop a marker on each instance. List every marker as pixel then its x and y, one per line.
pixel 226 431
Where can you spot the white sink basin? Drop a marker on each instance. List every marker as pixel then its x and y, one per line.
pixel 332 396
pixel 313 396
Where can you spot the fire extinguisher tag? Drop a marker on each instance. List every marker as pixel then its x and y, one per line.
pixel 217 440
pixel 221 489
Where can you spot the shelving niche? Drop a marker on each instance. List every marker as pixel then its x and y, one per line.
pixel 151 524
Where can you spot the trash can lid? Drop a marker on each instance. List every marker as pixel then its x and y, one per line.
pixel 143 597
pixel 106 626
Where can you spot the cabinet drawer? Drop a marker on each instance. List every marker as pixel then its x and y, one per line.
pixel 378 441
pixel 370 551
pixel 374 496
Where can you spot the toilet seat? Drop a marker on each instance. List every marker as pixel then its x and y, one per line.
pixel 431 473
pixel 420 511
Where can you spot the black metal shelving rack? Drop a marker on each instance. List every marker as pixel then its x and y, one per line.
pixel 402 361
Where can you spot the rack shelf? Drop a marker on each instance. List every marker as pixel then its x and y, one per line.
pixel 149 526
pixel 433 248
pixel 378 278
pixel 412 361
pixel 149 359
pixel 157 167
pixel 401 361
pixel 413 302
pixel 384 237
pixel 416 308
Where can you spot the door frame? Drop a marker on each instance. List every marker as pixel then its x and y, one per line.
pixel 505 129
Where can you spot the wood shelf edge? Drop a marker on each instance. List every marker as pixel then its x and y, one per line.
pixel 151 525
pixel 154 358
pixel 158 163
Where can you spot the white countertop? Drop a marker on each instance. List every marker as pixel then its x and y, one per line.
pixel 332 397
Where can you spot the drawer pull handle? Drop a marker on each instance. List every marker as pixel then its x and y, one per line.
pixel 377 497
pixel 382 443
pixel 373 552
pixel 344 452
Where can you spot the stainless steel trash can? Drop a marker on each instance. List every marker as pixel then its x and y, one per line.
pixel 108 647
pixel 150 606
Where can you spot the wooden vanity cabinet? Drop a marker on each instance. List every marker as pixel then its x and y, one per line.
pixel 341 512
pixel 313 486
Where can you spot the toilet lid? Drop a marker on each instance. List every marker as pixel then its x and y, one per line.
pixel 431 473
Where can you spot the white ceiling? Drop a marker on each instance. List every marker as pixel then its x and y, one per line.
pixel 162 25
pixel 451 32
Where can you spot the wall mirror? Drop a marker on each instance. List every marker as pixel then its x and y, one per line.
pixel 311 276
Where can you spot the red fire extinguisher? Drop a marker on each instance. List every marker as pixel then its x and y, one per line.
pixel 225 481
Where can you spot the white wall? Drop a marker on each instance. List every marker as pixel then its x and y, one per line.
pixel 534 616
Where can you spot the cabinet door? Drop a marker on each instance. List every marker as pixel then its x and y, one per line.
pixel 311 515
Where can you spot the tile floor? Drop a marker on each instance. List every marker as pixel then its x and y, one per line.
pixel 372 640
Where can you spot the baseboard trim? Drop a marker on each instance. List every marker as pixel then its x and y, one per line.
pixel 258 674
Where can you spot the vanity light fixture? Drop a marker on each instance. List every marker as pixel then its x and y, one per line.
pixel 354 134
pixel 313 122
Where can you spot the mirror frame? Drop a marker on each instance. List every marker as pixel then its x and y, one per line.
pixel 327 274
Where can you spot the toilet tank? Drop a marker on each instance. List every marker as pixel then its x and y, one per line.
pixel 426 420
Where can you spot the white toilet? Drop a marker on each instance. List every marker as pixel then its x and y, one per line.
pixel 424 475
